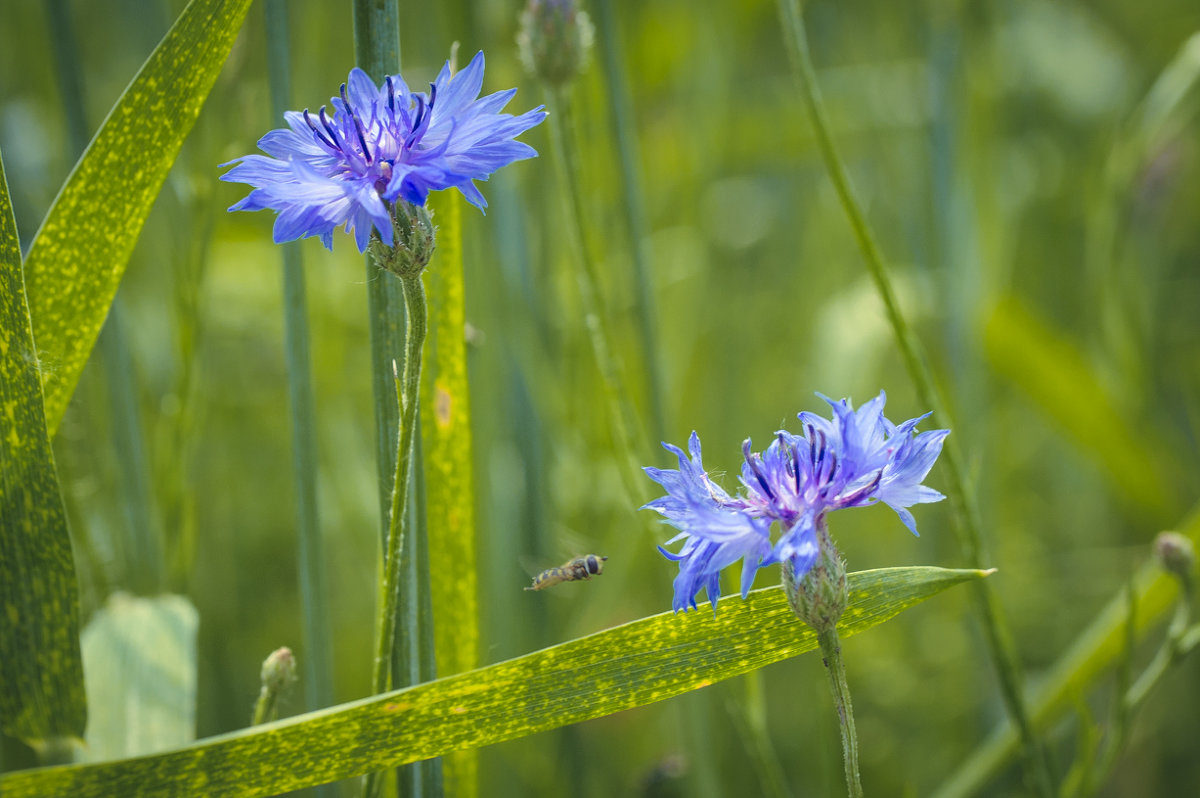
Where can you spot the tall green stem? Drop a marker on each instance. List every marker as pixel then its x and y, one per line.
pixel 407 394
pixel 317 656
pixel 835 669
pixel 621 414
pixel 962 498
pixel 377 51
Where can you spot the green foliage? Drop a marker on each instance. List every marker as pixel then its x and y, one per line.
pixel 1029 169
pixel 42 698
pixel 1097 648
pixel 80 252
pixel 633 665
pixel 449 465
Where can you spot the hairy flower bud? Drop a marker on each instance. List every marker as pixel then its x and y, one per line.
pixel 278 669
pixel 1177 555
pixel 554 40
pixel 414 243
pixel 819 597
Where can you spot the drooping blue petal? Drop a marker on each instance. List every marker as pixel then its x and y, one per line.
pixel 718 530
pixel 799 545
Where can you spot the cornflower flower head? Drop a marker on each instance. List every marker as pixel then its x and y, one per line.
pixel 854 459
pixel 381 145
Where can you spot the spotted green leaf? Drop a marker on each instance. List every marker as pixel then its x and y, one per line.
pixel 446 432
pixel 41 676
pixel 77 259
pixel 628 666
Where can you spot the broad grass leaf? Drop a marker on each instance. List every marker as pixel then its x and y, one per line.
pixel 80 252
pixel 628 666
pixel 140 665
pixel 449 481
pixel 42 698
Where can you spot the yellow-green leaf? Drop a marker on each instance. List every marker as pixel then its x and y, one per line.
pixel 628 666
pixel 449 491
pixel 79 255
pixel 41 676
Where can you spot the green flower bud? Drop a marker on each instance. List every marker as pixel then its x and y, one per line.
pixel 1177 555
pixel 554 40
pixel 278 669
pixel 819 597
pixel 415 241
pixel 278 672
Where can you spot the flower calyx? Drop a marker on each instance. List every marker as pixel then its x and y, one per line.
pixel 818 596
pixel 414 242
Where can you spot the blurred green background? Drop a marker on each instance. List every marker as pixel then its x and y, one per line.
pixel 1032 170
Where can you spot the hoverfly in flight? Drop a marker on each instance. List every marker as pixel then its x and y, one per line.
pixel 580 568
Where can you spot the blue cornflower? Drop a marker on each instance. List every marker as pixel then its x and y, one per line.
pixel 380 145
pixel 855 459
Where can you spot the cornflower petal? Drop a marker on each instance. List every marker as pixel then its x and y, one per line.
pixel 799 545
pixel 717 529
pixel 854 459
pixel 380 144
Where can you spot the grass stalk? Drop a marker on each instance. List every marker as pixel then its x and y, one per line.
pixel 621 414
pixel 1000 643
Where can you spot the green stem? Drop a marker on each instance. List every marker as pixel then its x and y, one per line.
pixel 407 394
pixel 264 707
pixel 1181 639
pixel 835 669
pixel 622 417
pixel 317 656
pixel 407 391
pixel 377 51
pixel 1175 646
pixel 1000 644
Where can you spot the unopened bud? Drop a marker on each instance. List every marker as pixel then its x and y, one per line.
pixel 1177 554
pixel 554 40
pixel 278 671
